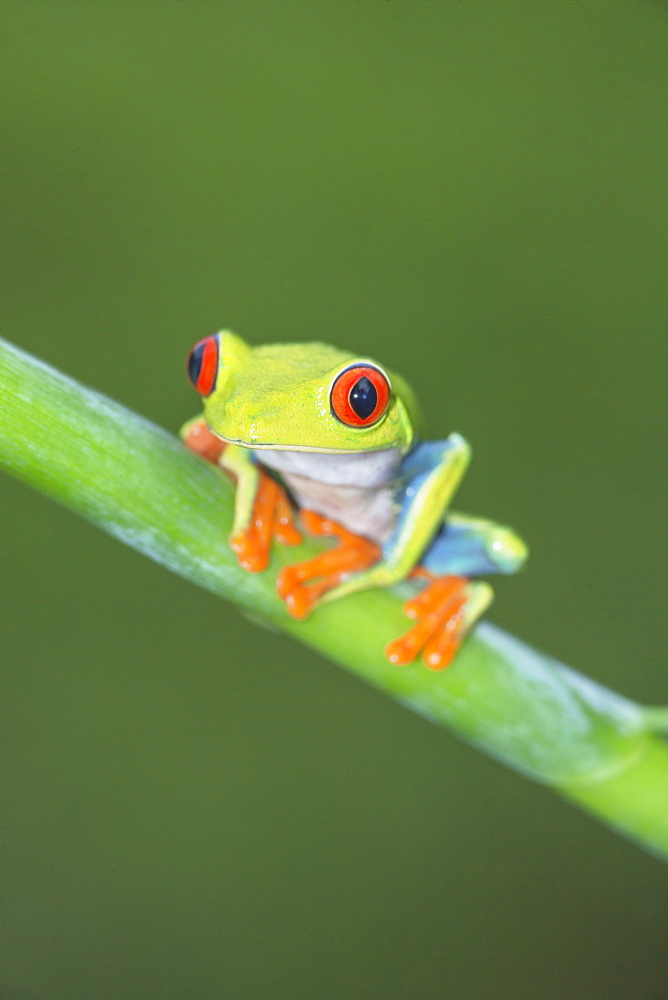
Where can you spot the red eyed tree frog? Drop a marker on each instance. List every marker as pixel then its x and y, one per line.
pixel 337 436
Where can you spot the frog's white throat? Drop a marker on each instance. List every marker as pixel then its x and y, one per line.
pixel 353 488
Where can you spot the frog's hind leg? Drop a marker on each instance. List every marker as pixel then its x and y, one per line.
pixel 452 602
pixel 444 612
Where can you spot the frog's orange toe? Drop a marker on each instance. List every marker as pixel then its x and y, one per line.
pixel 297 604
pixel 404 649
pixel 440 652
pixel 250 555
pixel 288 578
pixel 316 524
pixel 285 529
pixel 198 438
pixel 300 601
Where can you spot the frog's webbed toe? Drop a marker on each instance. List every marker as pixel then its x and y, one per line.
pixel 443 612
pixel 303 584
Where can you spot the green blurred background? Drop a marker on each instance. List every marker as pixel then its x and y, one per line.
pixel 473 193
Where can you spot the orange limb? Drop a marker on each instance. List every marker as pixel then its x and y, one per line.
pixel 285 530
pixel 303 584
pixel 272 518
pixel 272 512
pixel 439 613
pixel 198 438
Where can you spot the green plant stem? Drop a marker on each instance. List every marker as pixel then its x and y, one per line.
pixel 140 484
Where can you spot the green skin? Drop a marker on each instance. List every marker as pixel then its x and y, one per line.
pixel 277 399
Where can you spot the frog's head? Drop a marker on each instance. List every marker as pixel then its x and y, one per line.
pixel 303 397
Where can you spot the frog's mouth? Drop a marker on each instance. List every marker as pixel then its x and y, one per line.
pixel 265 446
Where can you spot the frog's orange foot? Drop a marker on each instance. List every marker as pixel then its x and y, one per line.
pixel 272 518
pixel 303 584
pixel 198 438
pixel 440 623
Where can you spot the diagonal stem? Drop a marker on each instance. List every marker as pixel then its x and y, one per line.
pixel 140 484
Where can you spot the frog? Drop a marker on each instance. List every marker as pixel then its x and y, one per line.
pixel 335 441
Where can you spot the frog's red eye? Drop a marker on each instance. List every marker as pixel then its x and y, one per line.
pixel 202 365
pixel 359 395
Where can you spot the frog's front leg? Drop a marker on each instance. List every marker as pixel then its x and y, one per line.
pixel 302 585
pixel 262 510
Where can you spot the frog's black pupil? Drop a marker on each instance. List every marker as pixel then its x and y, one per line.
pixel 195 362
pixel 363 398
